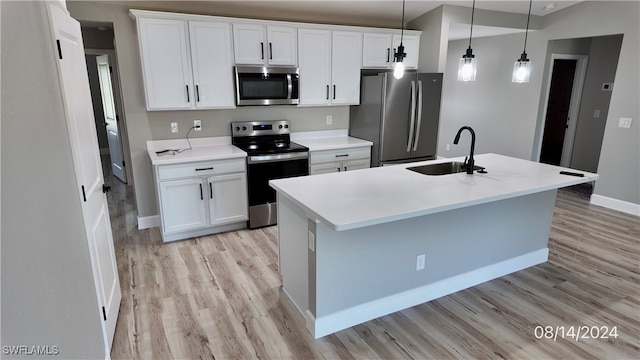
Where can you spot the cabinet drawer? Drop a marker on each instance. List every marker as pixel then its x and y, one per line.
pixel 316 157
pixel 202 168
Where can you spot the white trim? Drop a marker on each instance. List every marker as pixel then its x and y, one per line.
pixel 358 314
pixel 615 204
pixel 574 105
pixel 147 222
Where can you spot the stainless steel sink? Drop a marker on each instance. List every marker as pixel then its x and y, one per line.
pixel 442 168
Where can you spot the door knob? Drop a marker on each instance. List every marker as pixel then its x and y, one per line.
pixel 105 188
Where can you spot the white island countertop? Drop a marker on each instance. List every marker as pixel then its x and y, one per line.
pixel 356 199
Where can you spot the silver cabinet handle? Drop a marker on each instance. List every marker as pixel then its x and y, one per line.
pixel 413 115
pixel 415 143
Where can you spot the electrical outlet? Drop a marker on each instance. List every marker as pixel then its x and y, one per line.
pixel 174 127
pixel 329 119
pixel 420 260
pixel 596 113
pixel 197 125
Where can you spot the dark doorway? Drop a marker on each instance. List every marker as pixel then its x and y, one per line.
pixel 557 116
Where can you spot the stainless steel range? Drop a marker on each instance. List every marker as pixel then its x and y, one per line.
pixel 270 155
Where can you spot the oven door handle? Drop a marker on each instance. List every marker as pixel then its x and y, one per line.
pixel 277 157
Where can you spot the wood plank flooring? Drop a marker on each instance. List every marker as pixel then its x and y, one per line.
pixel 220 297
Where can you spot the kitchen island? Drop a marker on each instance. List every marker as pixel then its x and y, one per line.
pixel 358 245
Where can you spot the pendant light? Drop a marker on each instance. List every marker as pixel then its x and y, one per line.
pixel 468 64
pixel 522 67
pixel 399 55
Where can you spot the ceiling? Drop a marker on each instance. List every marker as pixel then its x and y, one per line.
pixel 381 13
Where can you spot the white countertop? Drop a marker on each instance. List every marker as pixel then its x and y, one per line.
pixel 202 149
pixel 360 198
pixel 328 140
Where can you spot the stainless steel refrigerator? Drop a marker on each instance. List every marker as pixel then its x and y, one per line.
pixel 400 116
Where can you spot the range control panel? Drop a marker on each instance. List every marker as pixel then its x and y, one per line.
pixel 260 128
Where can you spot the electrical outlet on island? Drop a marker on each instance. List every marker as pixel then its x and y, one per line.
pixel 197 125
pixel 174 127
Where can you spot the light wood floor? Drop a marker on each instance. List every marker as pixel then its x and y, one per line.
pixel 220 297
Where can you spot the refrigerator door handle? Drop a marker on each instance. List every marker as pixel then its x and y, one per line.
pixel 415 143
pixel 413 115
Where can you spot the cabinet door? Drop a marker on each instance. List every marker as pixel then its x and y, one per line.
pixel 376 51
pixel 411 45
pixel 249 44
pixel 282 46
pixel 212 64
pixel 166 65
pixel 356 164
pixel 325 168
pixel 346 60
pixel 314 55
pixel 228 198
pixel 182 204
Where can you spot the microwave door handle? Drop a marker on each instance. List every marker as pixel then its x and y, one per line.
pixel 415 143
pixel 289 86
pixel 413 114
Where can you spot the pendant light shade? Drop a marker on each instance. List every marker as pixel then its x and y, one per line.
pixel 399 55
pixel 522 67
pixel 468 64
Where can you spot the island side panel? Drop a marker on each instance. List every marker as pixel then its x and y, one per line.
pixel 292 248
pixel 369 272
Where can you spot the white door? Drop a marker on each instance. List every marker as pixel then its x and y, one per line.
pixel 346 61
pixel 166 66
pixel 249 44
pixel 411 45
pixel 212 64
pixel 228 198
pixel 84 145
pixel 110 117
pixel 314 55
pixel 376 51
pixel 282 45
pixel 183 205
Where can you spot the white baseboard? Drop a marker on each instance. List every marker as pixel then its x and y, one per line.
pixel 148 222
pixel 615 204
pixel 329 324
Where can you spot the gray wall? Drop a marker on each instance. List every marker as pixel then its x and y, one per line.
pixel 503 114
pixel 48 294
pixel 143 125
pixel 508 117
pixel 619 164
pixel 603 61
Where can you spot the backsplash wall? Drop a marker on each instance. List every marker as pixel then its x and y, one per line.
pixel 216 122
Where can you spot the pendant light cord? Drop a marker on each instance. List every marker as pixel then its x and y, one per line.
pixel 402 25
pixel 526 33
pixel 473 10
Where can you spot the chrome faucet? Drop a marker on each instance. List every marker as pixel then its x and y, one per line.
pixel 468 164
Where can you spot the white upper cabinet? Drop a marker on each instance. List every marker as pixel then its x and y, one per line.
pixel 346 60
pixel 212 64
pixel 411 45
pixel 186 64
pixel 166 66
pixel 329 63
pixel 264 45
pixel 376 51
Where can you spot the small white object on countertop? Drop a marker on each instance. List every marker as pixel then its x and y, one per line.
pixel 202 149
pixel 354 199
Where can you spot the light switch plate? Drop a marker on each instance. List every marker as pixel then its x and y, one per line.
pixel 624 123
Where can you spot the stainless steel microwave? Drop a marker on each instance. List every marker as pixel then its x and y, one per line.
pixel 259 85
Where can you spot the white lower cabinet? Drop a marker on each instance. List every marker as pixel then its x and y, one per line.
pixel 328 161
pixel 202 198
